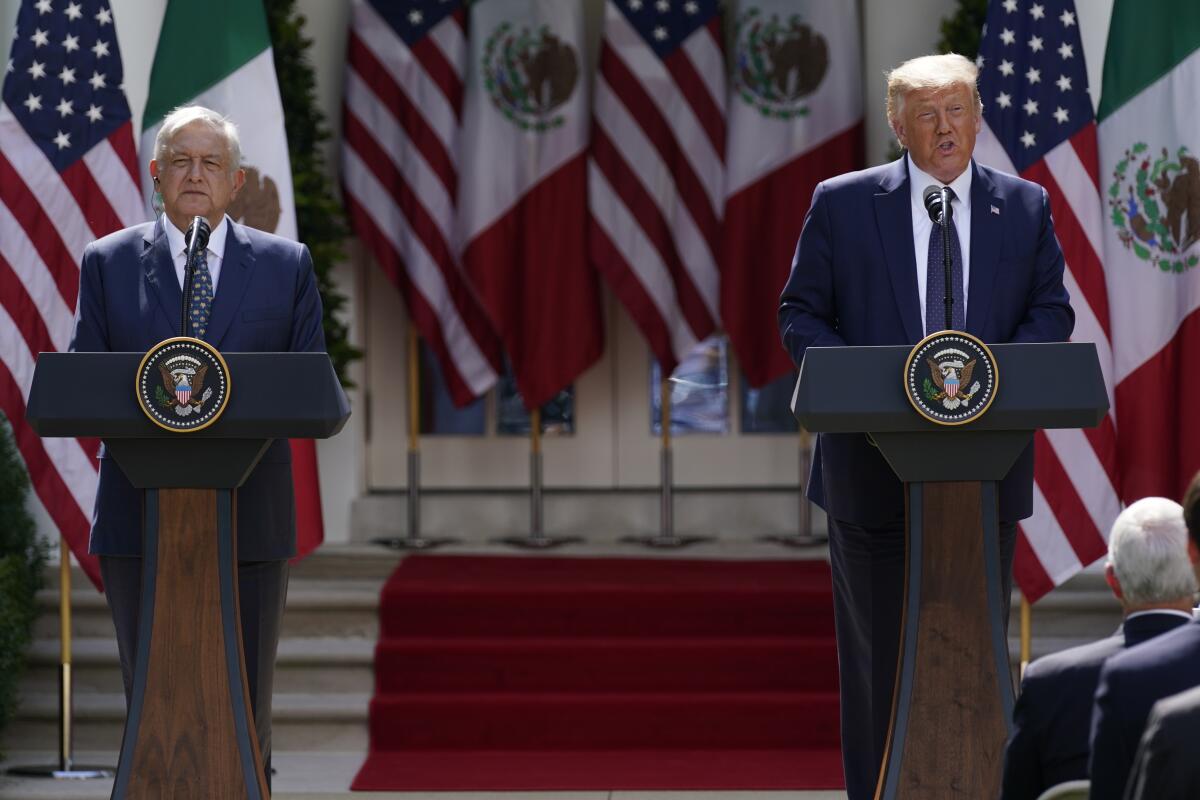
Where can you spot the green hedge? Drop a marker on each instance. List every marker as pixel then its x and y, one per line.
pixel 22 560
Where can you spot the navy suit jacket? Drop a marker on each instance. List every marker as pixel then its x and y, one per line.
pixel 1130 684
pixel 854 282
pixel 266 301
pixel 1167 767
pixel 1052 718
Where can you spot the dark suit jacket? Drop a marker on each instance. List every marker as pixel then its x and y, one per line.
pixel 1130 684
pixel 266 301
pixel 1167 766
pixel 1053 714
pixel 854 282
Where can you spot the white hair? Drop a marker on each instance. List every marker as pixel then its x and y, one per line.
pixel 183 116
pixel 930 72
pixel 1147 550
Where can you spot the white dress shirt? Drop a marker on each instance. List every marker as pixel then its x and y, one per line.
pixel 918 180
pixel 214 256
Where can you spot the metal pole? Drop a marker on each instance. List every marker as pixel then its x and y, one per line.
pixel 804 536
pixel 1026 633
pixel 537 538
pixel 666 538
pixel 413 540
pixel 66 768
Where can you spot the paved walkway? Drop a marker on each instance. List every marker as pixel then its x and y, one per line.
pixel 326 776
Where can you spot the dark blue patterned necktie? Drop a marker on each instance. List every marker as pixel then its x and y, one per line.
pixel 202 295
pixel 935 281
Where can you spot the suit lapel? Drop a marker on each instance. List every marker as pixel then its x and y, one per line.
pixel 236 267
pixel 893 213
pixel 987 231
pixel 159 270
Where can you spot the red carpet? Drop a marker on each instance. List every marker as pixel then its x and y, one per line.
pixel 573 673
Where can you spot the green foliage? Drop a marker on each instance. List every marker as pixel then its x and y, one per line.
pixel 320 219
pixel 22 559
pixel 961 30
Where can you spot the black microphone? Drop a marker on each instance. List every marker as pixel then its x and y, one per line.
pixel 937 203
pixel 196 239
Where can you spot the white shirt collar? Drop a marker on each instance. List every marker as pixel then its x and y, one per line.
pixel 918 179
pixel 216 239
pixel 1172 611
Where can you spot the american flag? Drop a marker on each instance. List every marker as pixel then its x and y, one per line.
pixel 68 174
pixel 656 173
pixel 1040 124
pixel 403 112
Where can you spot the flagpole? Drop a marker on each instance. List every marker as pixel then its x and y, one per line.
pixel 537 538
pixel 66 768
pixel 413 540
pixel 804 535
pixel 666 537
pixel 1026 632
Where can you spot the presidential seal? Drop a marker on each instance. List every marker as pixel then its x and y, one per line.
pixel 182 384
pixel 950 378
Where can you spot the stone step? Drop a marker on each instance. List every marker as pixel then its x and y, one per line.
pixel 315 608
pixel 300 722
pixel 328 665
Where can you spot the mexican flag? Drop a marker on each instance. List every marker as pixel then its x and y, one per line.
pixel 795 119
pixel 523 189
pixel 232 71
pixel 1149 138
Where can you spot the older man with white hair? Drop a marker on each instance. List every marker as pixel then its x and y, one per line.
pixel 254 292
pixel 868 270
pixel 1150 575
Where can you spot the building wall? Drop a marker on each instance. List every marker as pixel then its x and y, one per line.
pixel 613 448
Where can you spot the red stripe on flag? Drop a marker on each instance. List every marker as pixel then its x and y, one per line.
pixel 1069 509
pixel 92 200
pixel 1088 150
pixel 649 217
pixel 28 212
pixel 393 97
pixel 46 481
pixel 629 90
pixel 762 226
pixel 422 313
pixel 695 91
pixel 122 143
pixel 531 271
pixel 1028 572
pixel 1085 264
pixel 1158 437
pixel 441 72
pixel 630 290
pixel 24 313
pixel 310 525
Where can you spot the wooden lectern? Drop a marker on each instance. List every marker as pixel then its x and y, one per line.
pixel 189 732
pixel 952 706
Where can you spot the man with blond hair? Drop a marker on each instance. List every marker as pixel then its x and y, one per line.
pixel 868 270
pixel 1150 575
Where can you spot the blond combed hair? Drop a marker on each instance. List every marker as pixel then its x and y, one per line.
pixel 930 72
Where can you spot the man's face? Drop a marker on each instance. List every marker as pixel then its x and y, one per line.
pixel 938 126
pixel 194 176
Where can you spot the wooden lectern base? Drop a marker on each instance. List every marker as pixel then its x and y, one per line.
pixel 954 691
pixel 189 732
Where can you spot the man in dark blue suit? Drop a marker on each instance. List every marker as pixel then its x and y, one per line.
pixel 1149 573
pixel 257 292
pixel 1131 683
pixel 868 272
pixel 1166 767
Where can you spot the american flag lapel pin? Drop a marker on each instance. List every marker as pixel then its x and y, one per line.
pixel 995 211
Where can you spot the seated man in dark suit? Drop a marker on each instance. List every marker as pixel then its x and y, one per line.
pixel 1166 767
pixel 1132 682
pixel 1149 573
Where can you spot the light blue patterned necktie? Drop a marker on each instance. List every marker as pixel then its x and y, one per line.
pixel 935 280
pixel 202 295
